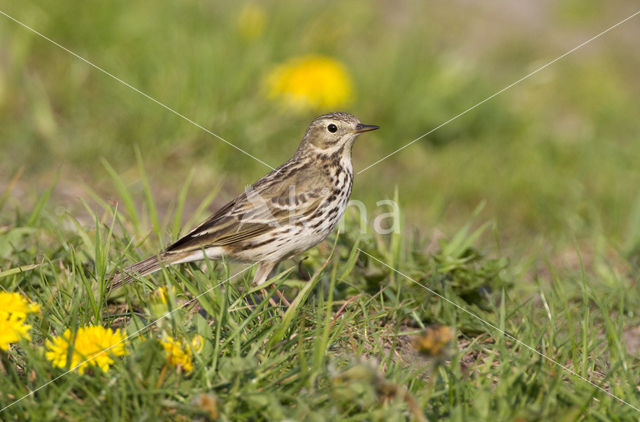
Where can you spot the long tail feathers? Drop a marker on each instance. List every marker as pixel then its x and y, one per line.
pixel 142 268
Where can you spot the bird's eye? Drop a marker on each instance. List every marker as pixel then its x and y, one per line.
pixel 332 128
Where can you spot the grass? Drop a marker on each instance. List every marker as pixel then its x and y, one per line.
pixel 524 212
pixel 344 349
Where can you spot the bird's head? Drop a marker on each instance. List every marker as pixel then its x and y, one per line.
pixel 332 132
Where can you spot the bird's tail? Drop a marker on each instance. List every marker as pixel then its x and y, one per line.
pixel 147 266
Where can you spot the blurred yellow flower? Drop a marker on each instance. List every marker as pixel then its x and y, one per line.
pixel 310 82
pixel 12 329
pixel 15 303
pixel 179 354
pixel 251 21
pixel 433 340
pixel 93 345
pixel 197 342
pixel 160 295
pixel 13 311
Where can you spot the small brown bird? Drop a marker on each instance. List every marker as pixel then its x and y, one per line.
pixel 284 213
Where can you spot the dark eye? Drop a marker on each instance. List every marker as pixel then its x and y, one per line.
pixel 332 128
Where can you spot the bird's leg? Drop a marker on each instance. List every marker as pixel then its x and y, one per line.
pixel 266 271
pixel 282 297
pixel 262 274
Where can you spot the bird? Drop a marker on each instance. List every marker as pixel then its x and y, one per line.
pixel 283 214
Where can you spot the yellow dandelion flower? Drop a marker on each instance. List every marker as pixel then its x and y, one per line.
pixel 16 304
pixel 94 345
pixel 12 329
pixel 180 354
pixel 13 311
pixel 251 21
pixel 310 82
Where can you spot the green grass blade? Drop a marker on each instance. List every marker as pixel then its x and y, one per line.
pixel 293 310
pixel 124 194
pixel 148 195
pixel 18 270
pixel 42 201
pixel 204 204
pixel 182 198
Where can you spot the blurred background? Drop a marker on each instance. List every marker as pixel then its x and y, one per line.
pixel 555 158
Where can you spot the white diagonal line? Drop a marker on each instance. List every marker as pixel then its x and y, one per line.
pixel 166 107
pixel 504 333
pixel 527 76
pixel 32 392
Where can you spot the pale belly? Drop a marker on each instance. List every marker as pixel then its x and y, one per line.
pixel 297 236
pixel 290 240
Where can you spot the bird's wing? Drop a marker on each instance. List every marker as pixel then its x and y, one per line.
pixel 257 211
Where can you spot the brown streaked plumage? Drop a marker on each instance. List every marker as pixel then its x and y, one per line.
pixel 284 213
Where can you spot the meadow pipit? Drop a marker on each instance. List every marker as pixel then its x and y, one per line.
pixel 281 215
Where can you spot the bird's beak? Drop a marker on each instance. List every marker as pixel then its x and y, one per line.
pixel 365 128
